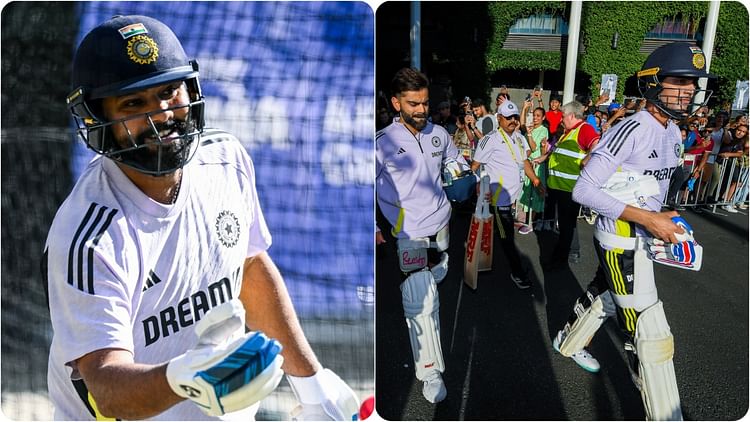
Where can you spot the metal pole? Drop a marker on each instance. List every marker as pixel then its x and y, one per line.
pixel 572 56
pixel 708 45
pixel 415 35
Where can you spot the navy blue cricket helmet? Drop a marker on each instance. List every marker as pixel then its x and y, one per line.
pixel 678 59
pixel 124 55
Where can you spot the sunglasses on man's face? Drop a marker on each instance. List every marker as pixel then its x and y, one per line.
pixel 513 117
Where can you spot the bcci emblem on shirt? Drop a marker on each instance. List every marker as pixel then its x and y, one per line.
pixel 227 228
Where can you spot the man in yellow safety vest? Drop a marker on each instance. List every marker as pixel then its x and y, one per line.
pixel 565 162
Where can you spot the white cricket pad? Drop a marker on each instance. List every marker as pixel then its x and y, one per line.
pixel 631 188
pixel 578 336
pixel 323 397
pixel 421 309
pixel 655 348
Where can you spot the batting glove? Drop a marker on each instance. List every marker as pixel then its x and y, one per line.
pixel 686 254
pixel 228 369
pixel 323 397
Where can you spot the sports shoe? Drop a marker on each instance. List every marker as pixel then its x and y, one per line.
pixel 729 209
pixel 742 206
pixel 434 387
pixel 583 358
pixel 521 282
pixel 525 229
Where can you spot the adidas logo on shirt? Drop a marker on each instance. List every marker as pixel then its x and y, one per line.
pixel 400 151
pixel 151 281
pixel 653 154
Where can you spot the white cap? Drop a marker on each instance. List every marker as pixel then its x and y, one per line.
pixel 507 109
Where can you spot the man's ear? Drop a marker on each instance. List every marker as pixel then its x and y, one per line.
pixel 396 105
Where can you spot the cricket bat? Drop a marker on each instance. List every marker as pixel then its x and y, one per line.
pixel 478 255
pixel 487 221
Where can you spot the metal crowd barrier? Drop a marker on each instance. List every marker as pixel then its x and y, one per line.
pixel 711 189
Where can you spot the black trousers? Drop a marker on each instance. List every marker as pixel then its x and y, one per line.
pixel 505 231
pixel 567 215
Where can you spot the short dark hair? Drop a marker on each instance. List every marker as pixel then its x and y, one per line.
pixel 408 79
pixel 477 102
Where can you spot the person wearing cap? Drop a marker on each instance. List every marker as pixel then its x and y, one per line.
pixel 504 155
pixel 625 181
pixel 564 165
pixel 163 299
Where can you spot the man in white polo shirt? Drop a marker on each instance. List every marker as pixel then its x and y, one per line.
pixel 504 154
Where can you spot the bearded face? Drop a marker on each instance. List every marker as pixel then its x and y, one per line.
pixel 413 107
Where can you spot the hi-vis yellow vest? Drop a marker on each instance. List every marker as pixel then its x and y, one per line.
pixel 565 162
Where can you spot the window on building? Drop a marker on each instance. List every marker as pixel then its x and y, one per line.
pixel 540 24
pixel 676 28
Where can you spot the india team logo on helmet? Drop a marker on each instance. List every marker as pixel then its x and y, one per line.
pixel 143 50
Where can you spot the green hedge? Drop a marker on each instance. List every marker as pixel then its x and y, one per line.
pixel 632 20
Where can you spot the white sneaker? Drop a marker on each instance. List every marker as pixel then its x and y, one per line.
pixel 434 387
pixel 729 209
pixel 583 358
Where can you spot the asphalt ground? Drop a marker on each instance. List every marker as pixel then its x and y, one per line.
pixel 496 340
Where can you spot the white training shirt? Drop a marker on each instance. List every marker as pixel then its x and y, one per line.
pixel 503 157
pixel 638 144
pixel 408 178
pixel 127 272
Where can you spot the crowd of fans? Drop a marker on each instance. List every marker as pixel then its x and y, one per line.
pixel 714 162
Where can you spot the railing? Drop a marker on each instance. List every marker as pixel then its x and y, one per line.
pixel 714 185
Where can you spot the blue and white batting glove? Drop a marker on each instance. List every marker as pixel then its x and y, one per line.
pixel 686 254
pixel 323 397
pixel 228 370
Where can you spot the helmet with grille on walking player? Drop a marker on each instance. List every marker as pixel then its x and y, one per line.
pixel 680 60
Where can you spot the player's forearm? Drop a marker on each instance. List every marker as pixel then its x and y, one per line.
pixel 127 390
pixel 269 309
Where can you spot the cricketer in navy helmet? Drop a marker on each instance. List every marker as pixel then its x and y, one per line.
pixel 409 156
pixel 625 182
pixel 156 262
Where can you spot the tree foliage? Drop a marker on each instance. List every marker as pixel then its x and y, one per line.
pixel 631 20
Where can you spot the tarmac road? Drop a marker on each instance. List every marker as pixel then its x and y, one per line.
pixel 496 340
